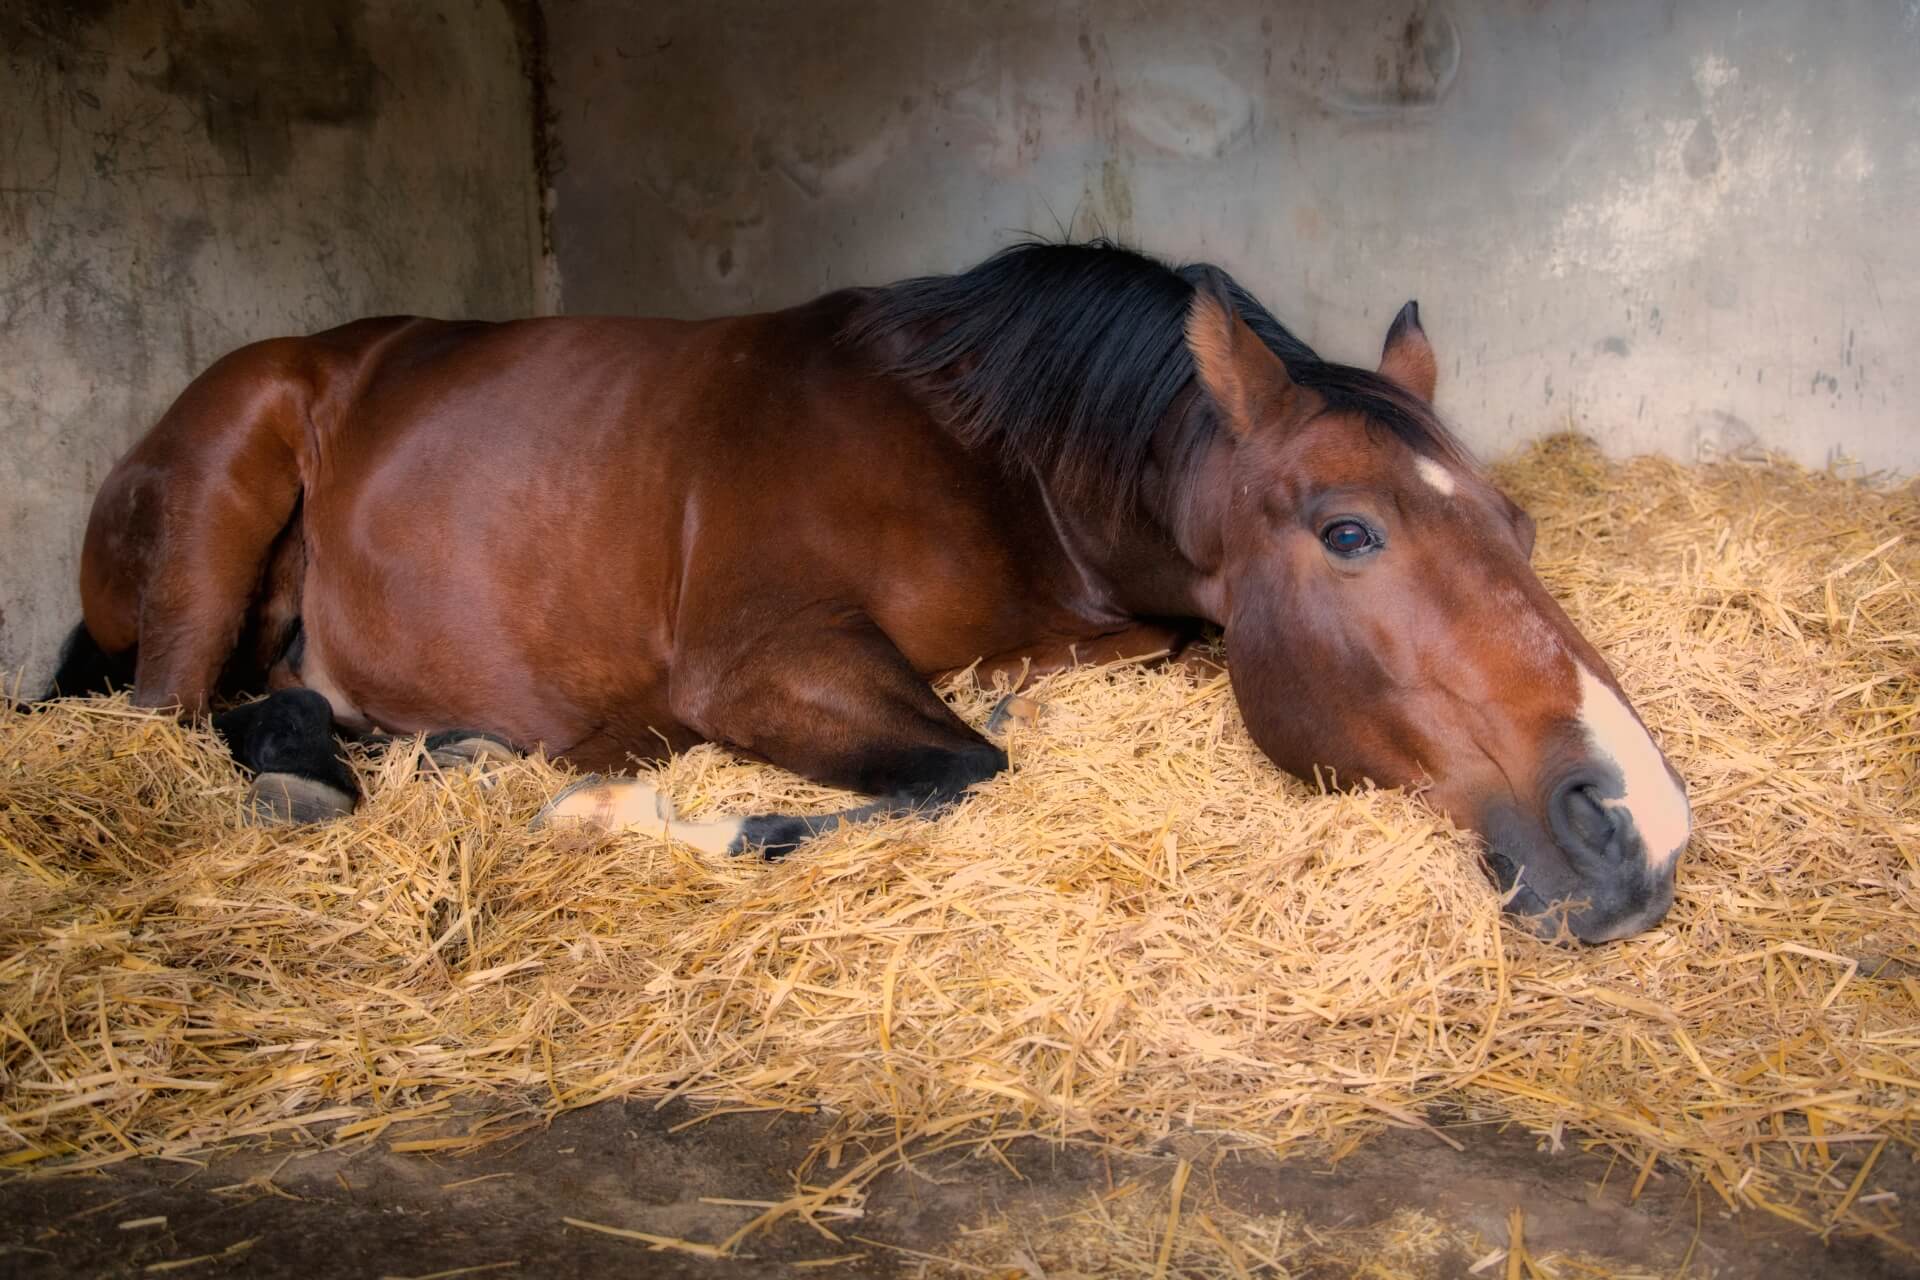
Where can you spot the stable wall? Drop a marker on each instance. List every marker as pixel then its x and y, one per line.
pixel 1681 227
pixel 177 179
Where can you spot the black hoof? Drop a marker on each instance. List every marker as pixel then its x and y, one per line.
pixel 465 748
pixel 289 799
pixel 289 732
pixel 544 818
pixel 1013 707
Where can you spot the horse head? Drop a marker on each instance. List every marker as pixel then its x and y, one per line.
pixel 1383 621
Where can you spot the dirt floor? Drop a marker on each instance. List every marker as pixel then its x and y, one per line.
pixel 1403 1204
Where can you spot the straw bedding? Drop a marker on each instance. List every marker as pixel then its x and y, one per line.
pixel 1142 929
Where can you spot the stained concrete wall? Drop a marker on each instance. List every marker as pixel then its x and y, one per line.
pixel 1678 226
pixel 178 178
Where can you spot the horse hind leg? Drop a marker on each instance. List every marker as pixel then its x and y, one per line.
pixel 633 804
pixel 182 530
pixel 1014 708
pixel 286 741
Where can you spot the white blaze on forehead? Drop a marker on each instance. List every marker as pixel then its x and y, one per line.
pixel 1653 799
pixel 1434 474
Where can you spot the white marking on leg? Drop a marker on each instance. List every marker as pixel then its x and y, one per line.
pixel 1656 803
pixel 628 804
pixel 1435 474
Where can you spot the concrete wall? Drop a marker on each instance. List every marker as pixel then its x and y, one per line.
pixel 178 178
pixel 1679 226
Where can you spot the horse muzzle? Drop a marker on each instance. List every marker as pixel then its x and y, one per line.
pixel 1596 911
pixel 1584 867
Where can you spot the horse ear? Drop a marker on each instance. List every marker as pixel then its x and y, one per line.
pixel 1407 357
pixel 1246 381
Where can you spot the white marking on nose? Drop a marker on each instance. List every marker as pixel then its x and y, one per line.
pixel 1434 474
pixel 1655 802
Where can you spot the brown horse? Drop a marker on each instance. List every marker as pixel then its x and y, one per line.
pixel 612 538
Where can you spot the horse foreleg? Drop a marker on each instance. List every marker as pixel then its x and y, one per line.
pixel 633 804
pixel 836 703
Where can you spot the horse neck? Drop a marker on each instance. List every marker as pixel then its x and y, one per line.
pixel 1163 559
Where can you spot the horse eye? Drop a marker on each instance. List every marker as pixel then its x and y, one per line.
pixel 1348 538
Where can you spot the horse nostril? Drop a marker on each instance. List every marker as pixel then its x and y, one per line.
pixel 1587 816
pixel 1585 823
pixel 1504 871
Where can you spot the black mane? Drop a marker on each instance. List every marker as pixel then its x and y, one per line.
pixel 1068 357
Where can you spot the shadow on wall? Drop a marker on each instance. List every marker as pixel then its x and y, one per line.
pixel 179 179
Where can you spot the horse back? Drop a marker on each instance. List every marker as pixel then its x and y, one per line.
pixel 535 525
